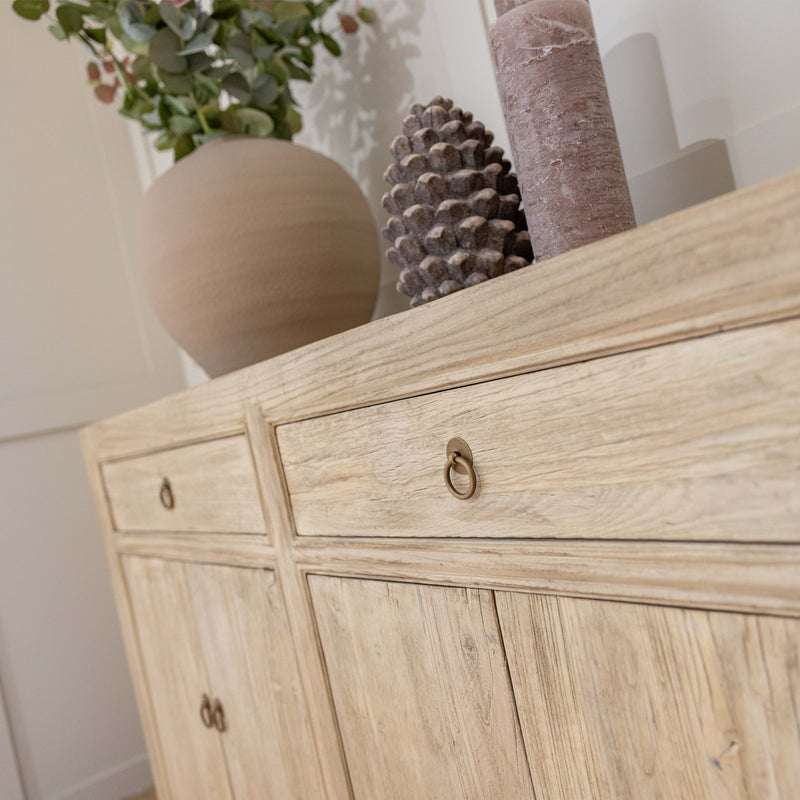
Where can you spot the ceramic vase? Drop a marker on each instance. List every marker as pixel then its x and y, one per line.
pixel 253 247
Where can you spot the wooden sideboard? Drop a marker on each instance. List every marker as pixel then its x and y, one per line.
pixel 614 613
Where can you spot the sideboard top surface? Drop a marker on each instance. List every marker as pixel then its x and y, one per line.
pixel 730 262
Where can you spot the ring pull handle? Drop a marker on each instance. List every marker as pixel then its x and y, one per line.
pixel 206 712
pixel 166 496
pixel 459 459
pixel 218 714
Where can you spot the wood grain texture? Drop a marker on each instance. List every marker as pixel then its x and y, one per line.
pixel 698 440
pixel 300 614
pixel 250 658
pixel 210 548
pixel 631 701
pixel 727 263
pixel 213 484
pixel 170 643
pixel 753 578
pixel 127 624
pixel 421 690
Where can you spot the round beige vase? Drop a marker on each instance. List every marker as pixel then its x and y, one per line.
pixel 252 247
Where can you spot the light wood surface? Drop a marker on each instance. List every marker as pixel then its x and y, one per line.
pixel 170 642
pixel 698 440
pixel 421 689
pixel 723 264
pixel 751 578
pixel 662 473
pixel 248 651
pixel 311 666
pixel 620 700
pixel 213 486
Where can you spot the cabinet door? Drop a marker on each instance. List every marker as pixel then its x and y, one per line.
pixel 172 653
pixel 251 663
pixel 421 690
pixel 632 701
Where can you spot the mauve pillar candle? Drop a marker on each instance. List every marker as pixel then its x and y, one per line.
pixel 559 121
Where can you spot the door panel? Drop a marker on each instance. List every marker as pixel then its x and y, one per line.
pixel 421 690
pixel 631 701
pixel 171 649
pixel 250 658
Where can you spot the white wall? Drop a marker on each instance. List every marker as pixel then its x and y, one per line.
pixel 704 92
pixel 76 343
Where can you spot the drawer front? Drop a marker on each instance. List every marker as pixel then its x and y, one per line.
pixel 698 440
pixel 205 488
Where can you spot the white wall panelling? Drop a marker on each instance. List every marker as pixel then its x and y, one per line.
pixel 77 342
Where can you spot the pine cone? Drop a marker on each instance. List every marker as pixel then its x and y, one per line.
pixel 454 205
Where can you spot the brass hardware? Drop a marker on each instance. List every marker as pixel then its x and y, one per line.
pixel 459 460
pixel 219 717
pixel 166 496
pixel 206 712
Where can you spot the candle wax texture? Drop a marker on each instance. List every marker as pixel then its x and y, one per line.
pixel 560 125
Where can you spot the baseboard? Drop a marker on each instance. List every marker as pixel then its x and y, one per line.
pixel 123 780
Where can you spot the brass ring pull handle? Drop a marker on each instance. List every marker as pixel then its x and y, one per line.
pixel 206 712
pixel 459 459
pixel 219 717
pixel 166 496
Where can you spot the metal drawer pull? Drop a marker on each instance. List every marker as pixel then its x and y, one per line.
pixel 459 459
pixel 166 496
pixel 206 712
pixel 219 717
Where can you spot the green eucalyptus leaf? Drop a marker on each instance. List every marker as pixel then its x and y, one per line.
pixel 331 45
pixel 137 48
pixel 141 67
pixel 152 120
pixel 225 9
pixel 180 24
pixel 299 73
pixel 70 18
pixel 197 45
pixel 175 84
pixel 100 11
pixel 265 90
pixel 199 62
pixel 132 20
pixel 202 138
pixel 164 51
pixel 242 57
pixel 254 122
pixel 166 141
pixel 98 34
pixel 264 51
pixel 236 86
pixel 31 9
pixel 180 105
pixel 285 10
pixel 183 146
pixel 294 120
pixel 219 72
pixel 276 67
pixel 58 32
pixel 207 85
pixel 152 15
pixel 180 125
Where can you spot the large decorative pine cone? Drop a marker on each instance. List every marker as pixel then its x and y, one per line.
pixel 454 205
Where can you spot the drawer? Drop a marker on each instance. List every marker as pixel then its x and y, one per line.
pixel 698 440
pixel 207 487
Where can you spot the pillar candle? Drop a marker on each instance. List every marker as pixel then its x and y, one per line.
pixel 560 125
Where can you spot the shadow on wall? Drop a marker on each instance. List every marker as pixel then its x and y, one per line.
pixel 663 178
pixel 355 107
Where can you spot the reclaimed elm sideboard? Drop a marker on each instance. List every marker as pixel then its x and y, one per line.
pixel 309 612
